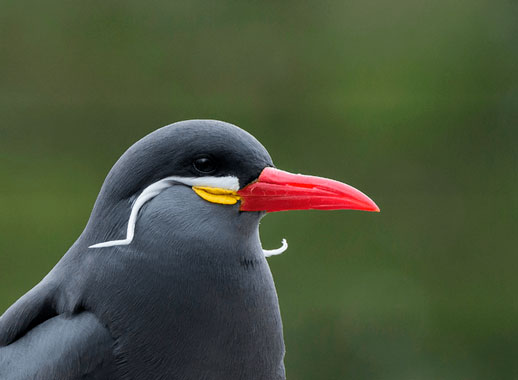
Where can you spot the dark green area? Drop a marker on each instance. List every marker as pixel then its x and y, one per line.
pixel 413 102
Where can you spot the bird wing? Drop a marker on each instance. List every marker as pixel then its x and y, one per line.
pixel 33 308
pixel 62 347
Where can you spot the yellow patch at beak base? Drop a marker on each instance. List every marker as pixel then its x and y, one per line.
pixel 217 195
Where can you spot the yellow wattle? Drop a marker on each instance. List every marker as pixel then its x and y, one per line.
pixel 217 195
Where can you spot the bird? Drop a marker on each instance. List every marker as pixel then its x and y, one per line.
pixel 169 279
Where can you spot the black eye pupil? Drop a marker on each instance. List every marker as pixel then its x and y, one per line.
pixel 204 164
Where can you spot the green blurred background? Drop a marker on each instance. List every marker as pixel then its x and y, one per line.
pixel 413 102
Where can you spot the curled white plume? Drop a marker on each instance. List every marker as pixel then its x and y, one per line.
pixel 278 251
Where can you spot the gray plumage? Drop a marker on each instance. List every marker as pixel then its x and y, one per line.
pixel 191 297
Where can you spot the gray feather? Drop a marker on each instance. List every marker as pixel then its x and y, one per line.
pixel 74 347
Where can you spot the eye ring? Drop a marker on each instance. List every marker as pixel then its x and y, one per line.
pixel 204 164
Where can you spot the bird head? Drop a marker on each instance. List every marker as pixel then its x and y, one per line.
pixel 214 170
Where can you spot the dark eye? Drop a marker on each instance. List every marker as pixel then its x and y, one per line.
pixel 204 164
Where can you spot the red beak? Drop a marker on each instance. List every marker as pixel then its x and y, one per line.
pixel 277 190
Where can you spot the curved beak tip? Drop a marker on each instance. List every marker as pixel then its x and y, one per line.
pixel 370 205
pixel 375 208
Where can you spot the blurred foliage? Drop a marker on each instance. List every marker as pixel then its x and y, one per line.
pixel 414 102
